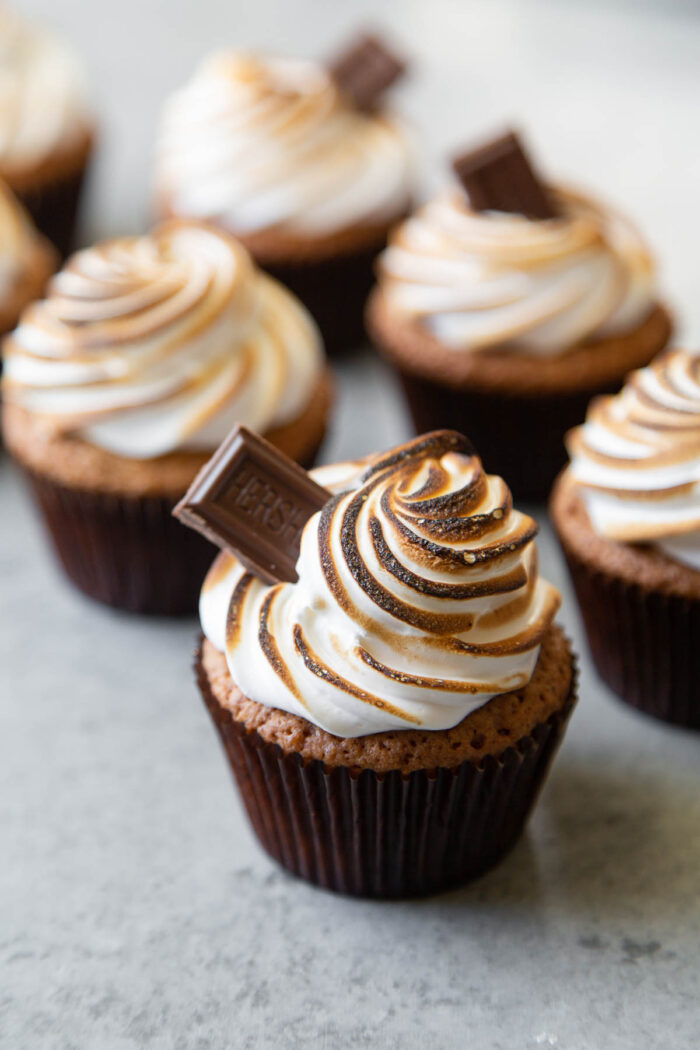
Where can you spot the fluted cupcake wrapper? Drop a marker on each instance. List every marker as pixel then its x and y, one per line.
pixel 54 209
pixel 386 835
pixel 519 438
pixel 645 644
pixel 334 291
pixel 126 552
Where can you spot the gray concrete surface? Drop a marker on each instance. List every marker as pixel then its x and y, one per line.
pixel 136 910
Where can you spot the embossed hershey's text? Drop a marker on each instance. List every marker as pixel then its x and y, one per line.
pixel 257 495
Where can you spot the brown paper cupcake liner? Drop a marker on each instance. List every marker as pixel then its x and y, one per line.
pixel 645 644
pixel 386 835
pixel 334 291
pixel 126 552
pixel 519 438
pixel 54 209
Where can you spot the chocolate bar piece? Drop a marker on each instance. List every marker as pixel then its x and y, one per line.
pixel 365 70
pixel 253 500
pixel 499 177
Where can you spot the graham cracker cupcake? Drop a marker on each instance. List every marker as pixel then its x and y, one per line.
pixel 390 714
pixel 46 132
pixel 27 260
pixel 120 384
pixel 627 513
pixel 297 162
pixel 504 322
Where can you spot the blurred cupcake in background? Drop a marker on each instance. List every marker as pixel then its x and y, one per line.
pixel 506 304
pixel 120 384
pixel 27 260
pixel 299 164
pixel 46 130
pixel 627 513
pixel 390 717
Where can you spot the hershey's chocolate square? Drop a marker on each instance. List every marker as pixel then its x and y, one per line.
pixel 253 500
pixel 365 69
pixel 499 177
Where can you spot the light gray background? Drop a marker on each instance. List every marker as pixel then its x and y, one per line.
pixel 136 910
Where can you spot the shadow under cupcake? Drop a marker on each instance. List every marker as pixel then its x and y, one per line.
pixel 391 703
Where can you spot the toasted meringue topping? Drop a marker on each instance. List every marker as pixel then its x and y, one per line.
pixel 494 280
pixel 19 242
pixel 418 598
pixel 149 344
pixel 42 100
pixel 637 458
pixel 259 143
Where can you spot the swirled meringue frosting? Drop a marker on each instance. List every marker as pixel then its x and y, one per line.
pixel 487 280
pixel 145 345
pixel 258 143
pixel 418 598
pixel 636 460
pixel 19 243
pixel 42 97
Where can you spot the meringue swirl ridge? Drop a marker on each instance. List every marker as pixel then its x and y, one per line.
pixel 145 345
pixel 42 98
pixel 256 143
pixel 480 281
pixel 418 598
pixel 636 460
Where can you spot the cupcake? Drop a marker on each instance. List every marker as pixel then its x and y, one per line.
pixel 46 134
pixel 390 716
pixel 274 151
pixel 627 513
pixel 120 384
pixel 505 323
pixel 26 260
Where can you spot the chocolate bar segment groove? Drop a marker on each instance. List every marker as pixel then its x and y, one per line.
pixel 254 501
pixel 365 69
pixel 499 177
